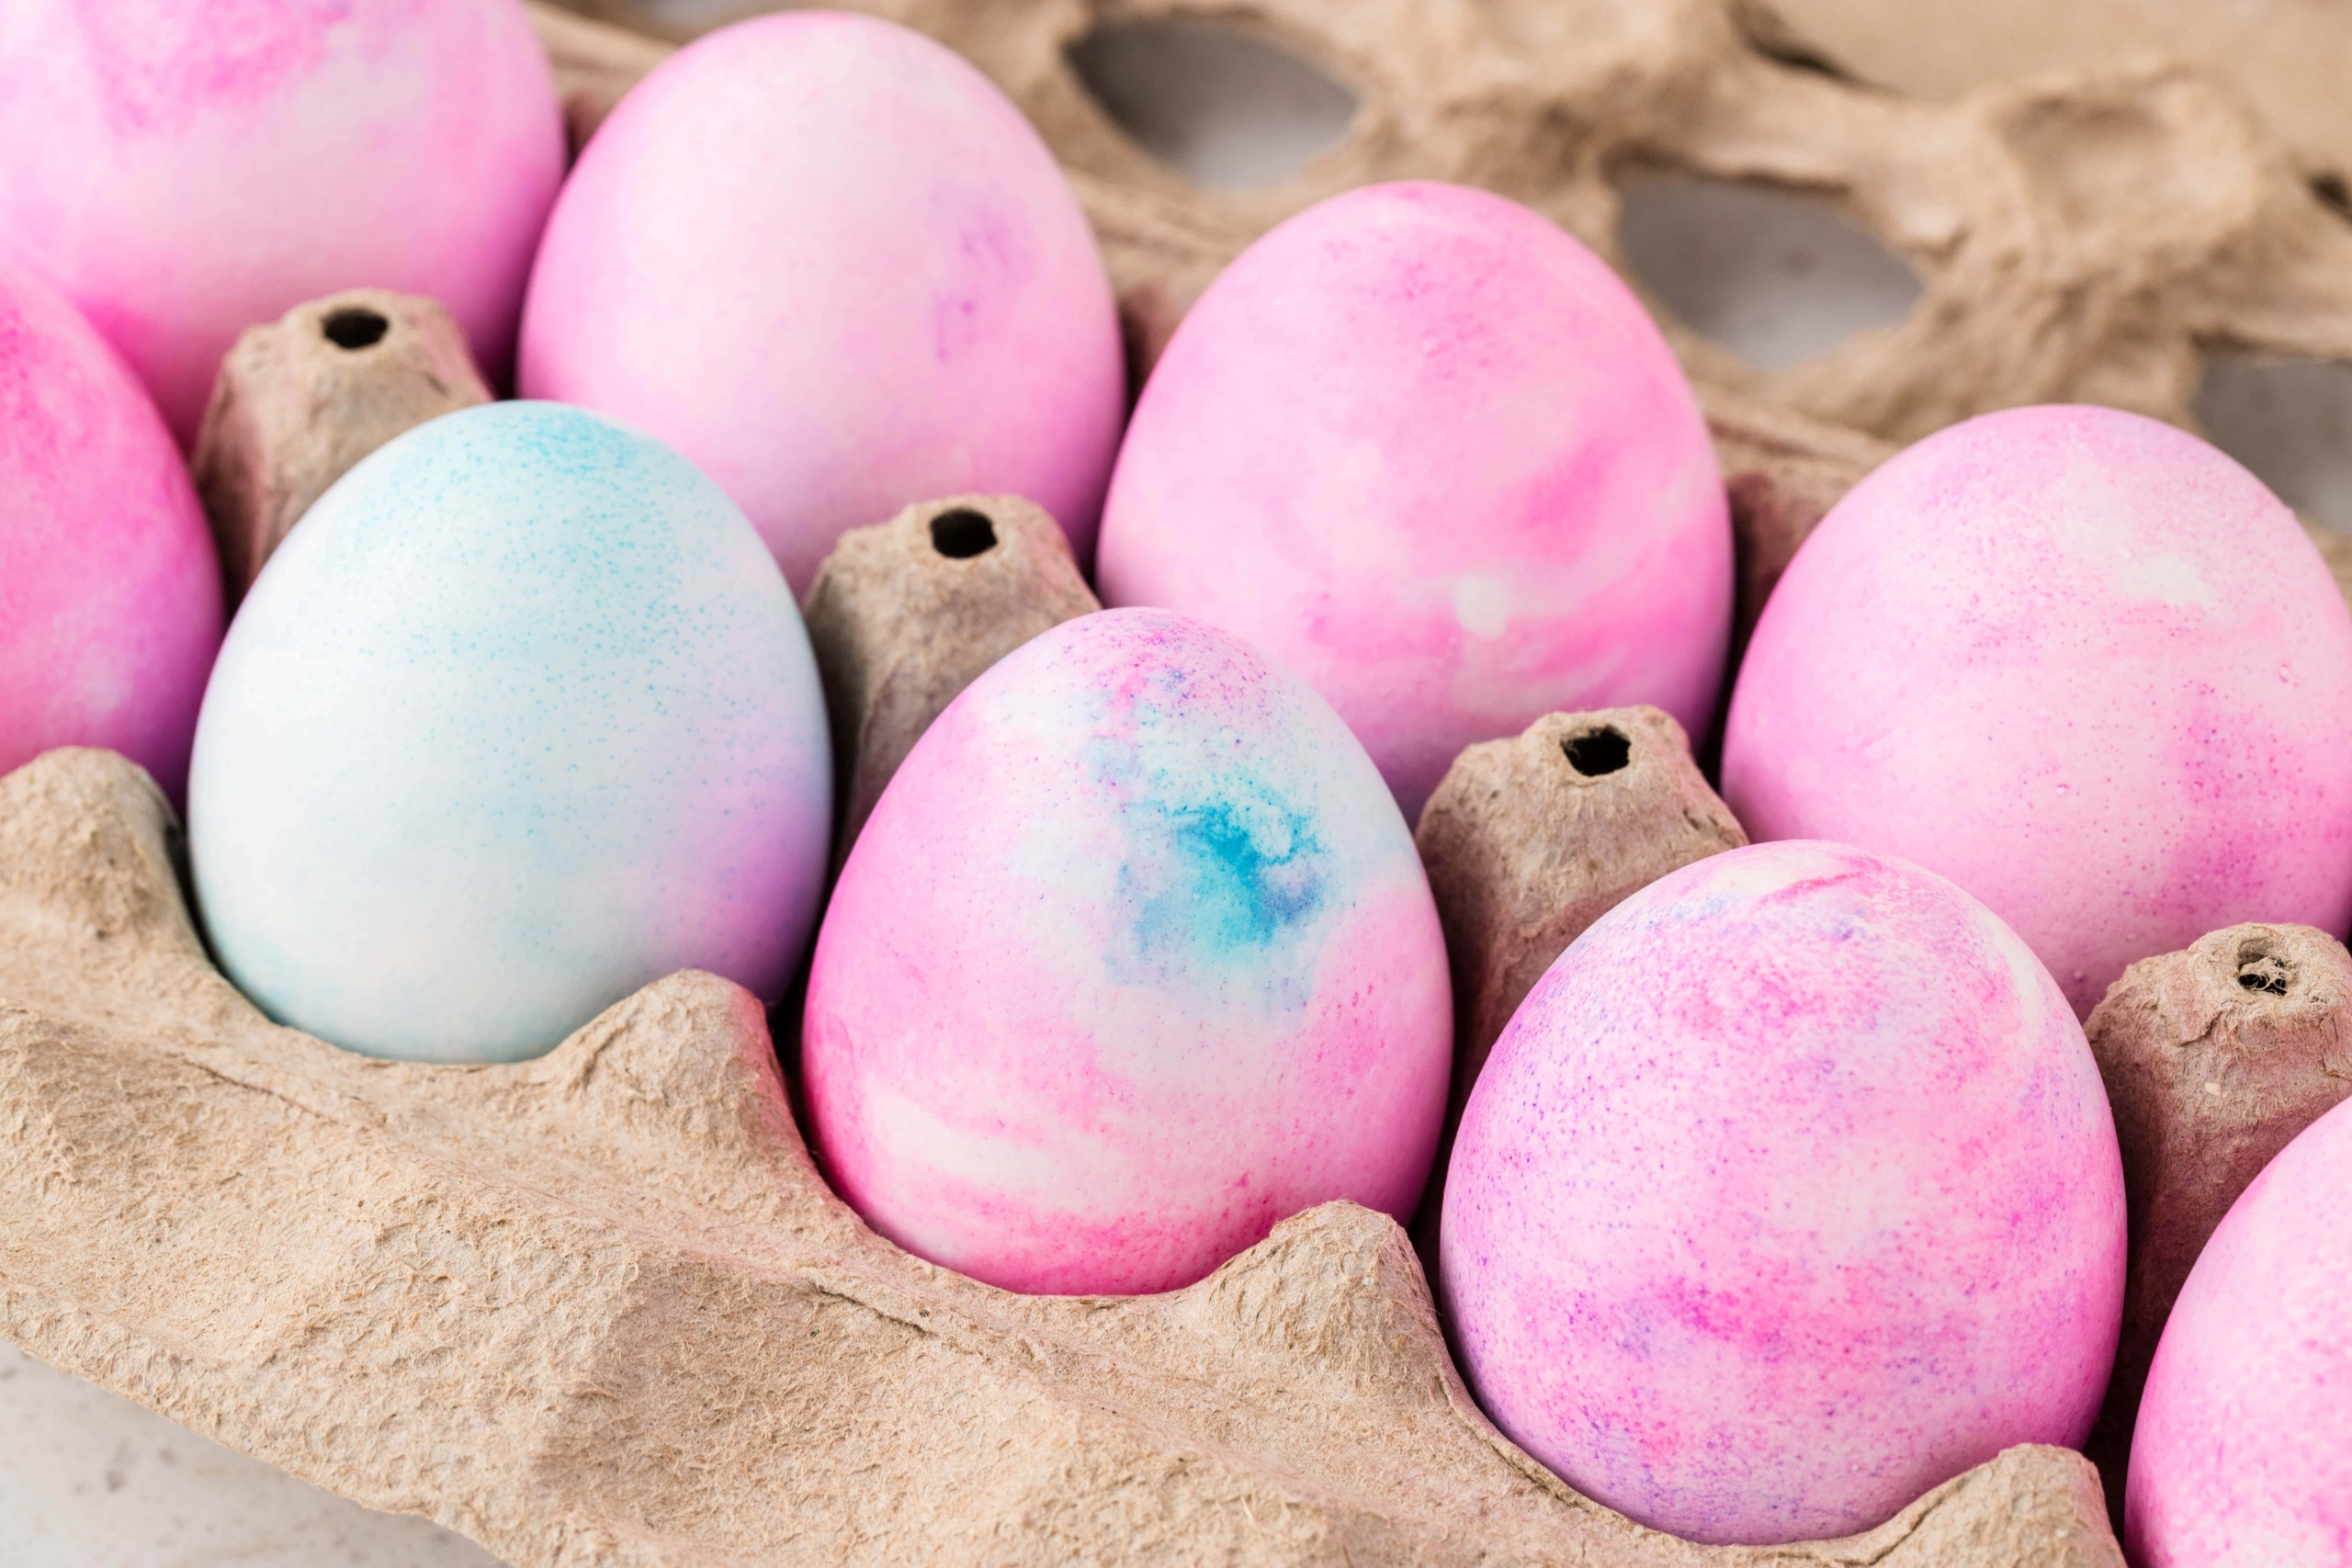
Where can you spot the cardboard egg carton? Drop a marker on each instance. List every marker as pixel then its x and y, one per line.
pixel 602 1308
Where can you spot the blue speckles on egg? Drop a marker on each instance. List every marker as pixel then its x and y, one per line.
pixel 520 717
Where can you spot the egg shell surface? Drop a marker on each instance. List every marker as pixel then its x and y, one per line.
pixel 1134 959
pixel 829 262
pixel 1789 1192
pixel 2078 661
pixel 186 171
pixel 2243 1453
pixel 519 718
pixel 1427 451
pixel 111 607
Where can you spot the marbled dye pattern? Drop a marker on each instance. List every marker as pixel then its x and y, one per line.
pixel 2242 1455
pixel 183 171
pixel 829 262
pixel 109 592
pixel 2081 663
pixel 1789 1192
pixel 519 718
pixel 1134 959
pixel 1426 449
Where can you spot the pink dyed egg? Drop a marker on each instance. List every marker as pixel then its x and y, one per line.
pixel 2081 663
pixel 1133 959
pixel 1789 1192
pixel 827 260
pixel 111 603
pixel 2243 1454
pixel 1426 449
pixel 183 171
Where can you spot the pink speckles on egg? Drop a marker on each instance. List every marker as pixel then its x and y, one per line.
pixel 1789 1192
pixel 2243 1454
pixel 183 172
pixel 829 262
pixel 2081 663
pixel 1426 449
pixel 1134 959
pixel 111 607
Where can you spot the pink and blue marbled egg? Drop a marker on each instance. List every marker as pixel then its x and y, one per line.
pixel 828 261
pixel 2078 661
pixel 2243 1453
pixel 1134 959
pixel 110 602
pixel 1426 449
pixel 183 171
pixel 1789 1192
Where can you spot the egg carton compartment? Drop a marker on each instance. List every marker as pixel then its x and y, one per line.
pixel 601 1306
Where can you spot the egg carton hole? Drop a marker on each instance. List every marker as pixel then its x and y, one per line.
pixel 1229 110
pixel 962 533
pixel 2332 192
pixel 356 328
pixel 1598 752
pixel 1775 278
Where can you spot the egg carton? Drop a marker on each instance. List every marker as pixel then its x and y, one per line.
pixel 601 1307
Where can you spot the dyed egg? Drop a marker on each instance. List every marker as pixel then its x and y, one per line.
pixel 519 720
pixel 1789 1193
pixel 1133 959
pixel 827 260
pixel 185 171
pixel 2243 1453
pixel 2081 663
pixel 110 591
pixel 1427 451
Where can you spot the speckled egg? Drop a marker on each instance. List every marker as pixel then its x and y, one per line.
pixel 1133 959
pixel 519 718
pixel 1427 451
pixel 2243 1453
pixel 111 603
pixel 827 260
pixel 185 171
pixel 2081 663
pixel 1789 1192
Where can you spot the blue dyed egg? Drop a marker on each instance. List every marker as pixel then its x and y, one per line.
pixel 521 717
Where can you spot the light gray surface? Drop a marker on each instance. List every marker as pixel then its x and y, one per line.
pixel 1772 275
pixel 91 1480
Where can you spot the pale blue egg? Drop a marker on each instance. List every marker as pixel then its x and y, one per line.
pixel 520 717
